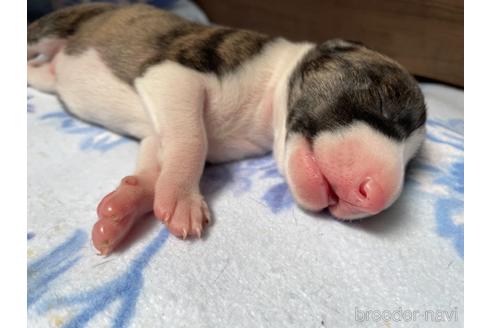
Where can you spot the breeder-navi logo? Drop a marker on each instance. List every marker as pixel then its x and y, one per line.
pixel 401 315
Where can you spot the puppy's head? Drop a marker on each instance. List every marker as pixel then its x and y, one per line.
pixel 355 118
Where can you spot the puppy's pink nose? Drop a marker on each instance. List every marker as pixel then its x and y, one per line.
pixel 370 196
pixel 366 188
pixel 357 200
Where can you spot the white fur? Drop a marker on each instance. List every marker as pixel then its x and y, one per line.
pixel 177 120
pixel 413 143
pixel 385 148
pixel 290 60
pixel 92 92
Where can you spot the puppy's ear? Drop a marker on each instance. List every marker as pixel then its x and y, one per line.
pixel 339 45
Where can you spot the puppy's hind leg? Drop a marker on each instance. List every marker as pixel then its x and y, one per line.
pixel 131 201
pixel 41 61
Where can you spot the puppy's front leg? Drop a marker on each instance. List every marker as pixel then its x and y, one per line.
pixel 174 98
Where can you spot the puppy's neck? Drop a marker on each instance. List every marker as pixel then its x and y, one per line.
pixel 288 55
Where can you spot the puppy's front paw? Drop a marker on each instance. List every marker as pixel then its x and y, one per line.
pixel 184 215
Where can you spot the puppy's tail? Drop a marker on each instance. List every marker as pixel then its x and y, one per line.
pixel 47 35
pixel 62 23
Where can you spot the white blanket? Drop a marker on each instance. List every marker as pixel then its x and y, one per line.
pixel 264 262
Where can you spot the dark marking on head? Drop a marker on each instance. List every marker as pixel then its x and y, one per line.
pixel 340 82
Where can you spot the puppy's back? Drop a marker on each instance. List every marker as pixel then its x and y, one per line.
pixel 132 38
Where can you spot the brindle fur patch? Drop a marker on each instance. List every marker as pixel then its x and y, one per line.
pixel 130 39
pixel 65 22
pixel 340 82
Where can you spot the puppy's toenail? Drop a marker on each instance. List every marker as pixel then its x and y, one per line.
pixel 130 180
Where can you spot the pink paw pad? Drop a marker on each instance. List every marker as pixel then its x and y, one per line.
pixel 126 199
pixel 118 211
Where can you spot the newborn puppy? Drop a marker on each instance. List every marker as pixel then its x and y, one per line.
pixel 343 120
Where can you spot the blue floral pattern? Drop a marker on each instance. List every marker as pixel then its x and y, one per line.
pixel 43 271
pixel 93 137
pixel 450 203
pixel 30 106
pixel 125 287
